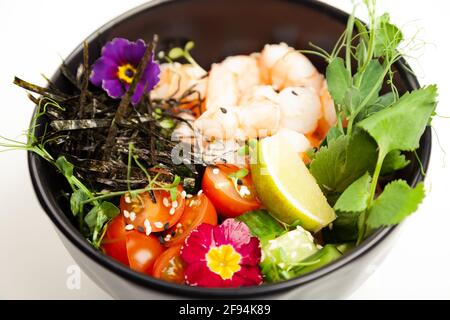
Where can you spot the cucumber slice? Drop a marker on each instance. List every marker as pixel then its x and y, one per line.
pixel 324 256
pixel 262 225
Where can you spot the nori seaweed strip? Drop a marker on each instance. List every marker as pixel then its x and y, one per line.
pixel 126 99
pixel 85 81
pixel 63 125
pixel 69 76
pixel 46 92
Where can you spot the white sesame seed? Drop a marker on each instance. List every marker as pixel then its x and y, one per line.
pixel 167 237
pixel 200 193
pixel 127 199
pixel 183 194
pixel 158 224
pixel 148 230
pixel 189 196
pixel 165 202
pixel 172 211
pixel 146 223
pixel 216 171
pixel 132 216
pixel 174 204
pixel 126 214
pixel 243 191
pixel 179 225
pixel 129 227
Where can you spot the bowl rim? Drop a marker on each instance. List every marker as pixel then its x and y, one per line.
pixel 65 227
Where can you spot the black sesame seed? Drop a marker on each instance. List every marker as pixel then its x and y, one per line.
pixel 224 110
pixel 239 182
pixel 140 229
pixel 173 233
pixel 294 93
pixel 161 240
pixel 166 226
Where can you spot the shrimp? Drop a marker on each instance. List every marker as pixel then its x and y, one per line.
pixel 229 79
pixel 300 109
pixel 259 113
pixel 328 109
pixel 297 140
pixel 176 79
pixel 283 66
pixel 218 123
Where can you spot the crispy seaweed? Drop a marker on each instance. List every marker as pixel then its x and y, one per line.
pixel 94 131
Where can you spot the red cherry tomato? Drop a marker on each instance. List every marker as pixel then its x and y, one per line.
pixel 142 251
pixel 223 192
pixel 169 266
pixel 160 215
pixel 198 210
pixel 114 240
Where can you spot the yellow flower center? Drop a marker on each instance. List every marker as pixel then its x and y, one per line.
pixel 126 73
pixel 223 260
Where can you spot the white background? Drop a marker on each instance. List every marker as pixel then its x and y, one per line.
pixel 35 35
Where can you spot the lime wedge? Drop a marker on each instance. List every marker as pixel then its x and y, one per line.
pixel 285 186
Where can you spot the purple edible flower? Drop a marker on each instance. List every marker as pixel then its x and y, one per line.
pixel 115 69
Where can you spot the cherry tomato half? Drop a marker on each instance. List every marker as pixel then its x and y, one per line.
pixel 161 214
pixel 114 240
pixel 142 251
pixel 169 266
pixel 198 210
pixel 223 192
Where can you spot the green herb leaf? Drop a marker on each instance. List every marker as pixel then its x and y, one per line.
pixel 361 54
pixel 362 31
pixel 333 134
pixel 76 201
pixel 368 79
pixel 354 198
pixel 253 143
pixel 106 210
pixel 397 201
pixel 244 150
pixel 189 46
pixel 387 37
pixel 339 79
pixel 64 166
pixel 381 103
pixel 344 228
pixel 394 161
pixel 240 174
pixel 401 126
pixel 352 100
pixel 262 224
pixel 167 123
pixel 176 53
pixel 343 161
pixel 173 193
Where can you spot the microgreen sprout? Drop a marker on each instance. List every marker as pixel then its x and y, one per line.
pixel 178 53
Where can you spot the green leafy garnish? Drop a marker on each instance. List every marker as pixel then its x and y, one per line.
pixel 178 53
pixel 339 79
pixel 262 225
pixel 76 201
pixel 397 201
pixel 348 168
pixel 401 126
pixel 344 160
pixel 394 161
pixel 240 174
pixel 97 217
pixel 356 196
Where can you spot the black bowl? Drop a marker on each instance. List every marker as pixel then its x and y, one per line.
pixel 219 29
